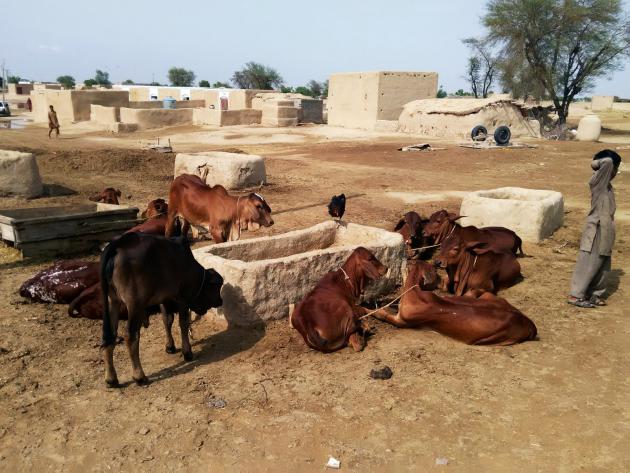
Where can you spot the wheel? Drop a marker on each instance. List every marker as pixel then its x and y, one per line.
pixel 479 133
pixel 502 135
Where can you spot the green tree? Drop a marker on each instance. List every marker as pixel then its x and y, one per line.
pixel 180 77
pixel 286 89
pixel 257 76
pixel 441 93
pixel 102 78
pixel 566 44
pixel 155 84
pixel 128 82
pixel 316 87
pixel 68 82
pixel 14 79
pixel 219 85
pixel 89 83
pixel 325 89
pixel 461 93
pixel 482 66
pixel 204 83
pixel 304 91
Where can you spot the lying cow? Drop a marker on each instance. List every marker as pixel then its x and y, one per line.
pixel 328 317
pixel 139 272
pixel 106 196
pixel 61 283
pixel 410 226
pixel 157 217
pixel 473 266
pixel 443 224
pixel 488 320
pixel 223 215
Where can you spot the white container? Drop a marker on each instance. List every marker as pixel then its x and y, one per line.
pixel 589 128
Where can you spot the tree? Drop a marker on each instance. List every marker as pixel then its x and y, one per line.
pixel 219 85
pixel 180 77
pixel 482 66
pixel 257 76
pixel 68 82
pixel 155 84
pixel 566 44
pixel 461 93
pixel 89 83
pixel 441 93
pixel 304 91
pixel 102 78
pixel 128 82
pixel 204 83
pixel 14 79
pixel 285 89
pixel 316 87
pixel 518 79
pixel 325 87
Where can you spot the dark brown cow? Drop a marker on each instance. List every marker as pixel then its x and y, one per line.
pixel 410 227
pixel 473 266
pixel 443 224
pixel 89 304
pixel 328 317
pixel 141 271
pixel 223 215
pixel 488 320
pixel 106 196
pixel 62 282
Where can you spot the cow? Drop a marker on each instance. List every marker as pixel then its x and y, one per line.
pixel 223 215
pixel 108 195
pixel 410 227
pixel 156 214
pixel 139 272
pixel 155 208
pixel 61 283
pixel 89 304
pixel 328 316
pixel 474 266
pixel 443 224
pixel 488 320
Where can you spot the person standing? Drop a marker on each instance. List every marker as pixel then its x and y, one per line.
pixel 53 121
pixel 29 104
pixel 598 237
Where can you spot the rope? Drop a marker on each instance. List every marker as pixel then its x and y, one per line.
pixel 425 247
pixel 238 220
pixel 390 303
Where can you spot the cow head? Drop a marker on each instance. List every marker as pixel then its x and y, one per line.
pixel 254 212
pixel 107 196
pixel 209 294
pixel 423 274
pixel 155 208
pixel 410 227
pixel 453 249
pixel 364 266
pixel 439 225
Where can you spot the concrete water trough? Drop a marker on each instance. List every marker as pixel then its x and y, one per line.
pixel 264 275
pixel 53 231
pixel 533 214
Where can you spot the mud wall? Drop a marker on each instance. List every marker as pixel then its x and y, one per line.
pixel 207 116
pixel 147 119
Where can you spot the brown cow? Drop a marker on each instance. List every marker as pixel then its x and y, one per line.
pixel 155 208
pixel 157 216
pixel 223 215
pixel 488 320
pixel 62 282
pixel 443 224
pixel 106 196
pixel 474 266
pixel 410 227
pixel 141 271
pixel 327 318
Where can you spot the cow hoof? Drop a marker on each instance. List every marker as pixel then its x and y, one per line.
pixel 171 350
pixel 112 383
pixel 188 356
pixel 142 381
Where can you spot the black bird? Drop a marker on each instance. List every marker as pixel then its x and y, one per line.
pixel 337 206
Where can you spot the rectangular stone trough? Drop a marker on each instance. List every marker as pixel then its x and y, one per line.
pixel 264 275
pixel 533 214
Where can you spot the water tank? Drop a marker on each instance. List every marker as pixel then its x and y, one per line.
pixel 168 102
pixel 589 128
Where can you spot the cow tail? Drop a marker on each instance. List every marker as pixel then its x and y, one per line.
pixel 519 246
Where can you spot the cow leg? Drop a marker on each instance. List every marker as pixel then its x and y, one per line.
pixel 394 319
pixel 185 227
pixel 132 338
pixel 167 318
pixel 217 235
pixel 111 378
pixel 357 341
pixel 184 325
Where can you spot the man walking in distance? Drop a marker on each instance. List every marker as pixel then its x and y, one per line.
pixel 53 122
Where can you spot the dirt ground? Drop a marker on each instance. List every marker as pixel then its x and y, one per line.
pixel 556 404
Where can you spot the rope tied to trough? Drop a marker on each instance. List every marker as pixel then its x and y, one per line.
pixel 370 313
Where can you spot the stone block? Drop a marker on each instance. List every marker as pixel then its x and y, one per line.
pixel 263 276
pixel 231 170
pixel 19 175
pixel 533 214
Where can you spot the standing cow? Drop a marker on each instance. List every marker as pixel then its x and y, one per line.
pixel 139 272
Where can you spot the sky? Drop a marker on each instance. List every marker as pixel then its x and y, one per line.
pixel 142 39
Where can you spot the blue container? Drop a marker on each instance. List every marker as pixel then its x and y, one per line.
pixel 168 102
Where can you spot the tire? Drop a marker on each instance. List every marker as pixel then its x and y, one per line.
pixel 478 130
pixel 502 135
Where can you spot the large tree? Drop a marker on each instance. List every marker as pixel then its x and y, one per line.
pixel 68 82
pixel 482 66
pixel 102 78
pixel 257 76
pixel 566 44
pixel 180 77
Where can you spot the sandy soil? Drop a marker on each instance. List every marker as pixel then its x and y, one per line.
pixel 557 404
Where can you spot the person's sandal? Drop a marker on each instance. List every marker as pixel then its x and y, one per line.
pixel 583 303
pixel 598 302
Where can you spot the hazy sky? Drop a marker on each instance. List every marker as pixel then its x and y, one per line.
pixel 141 39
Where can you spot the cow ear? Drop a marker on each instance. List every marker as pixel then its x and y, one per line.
pixel 477 247
pixel 118 193
pixel 95 197
pixel 399 225
pixel 454 218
